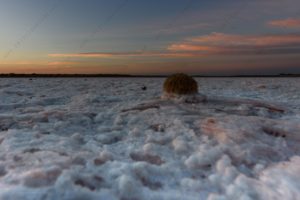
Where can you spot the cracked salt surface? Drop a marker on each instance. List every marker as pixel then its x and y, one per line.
pixel 107 138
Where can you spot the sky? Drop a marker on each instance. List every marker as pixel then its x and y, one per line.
pixel 217 37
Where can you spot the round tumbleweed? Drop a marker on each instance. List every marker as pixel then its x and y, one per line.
pixel 180 84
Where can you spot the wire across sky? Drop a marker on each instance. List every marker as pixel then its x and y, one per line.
pixel 150 37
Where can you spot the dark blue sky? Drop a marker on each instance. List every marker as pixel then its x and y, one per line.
pixel 158 36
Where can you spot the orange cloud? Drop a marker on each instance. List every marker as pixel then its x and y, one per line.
pixel 218 39
pixel 220 43
pixel 286 23
pixel 60 63
pixel 190 47
pixel 123 54
pixel 82 55
pixel 22 63
pixel 212 44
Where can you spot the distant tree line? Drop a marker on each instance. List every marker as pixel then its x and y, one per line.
pixel 34 75
pixel 13 75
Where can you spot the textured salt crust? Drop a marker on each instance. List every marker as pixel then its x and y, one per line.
pixel 109 139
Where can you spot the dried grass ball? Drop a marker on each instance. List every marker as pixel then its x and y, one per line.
pixel 180 84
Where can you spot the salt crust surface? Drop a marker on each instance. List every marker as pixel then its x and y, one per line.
pixel 84 139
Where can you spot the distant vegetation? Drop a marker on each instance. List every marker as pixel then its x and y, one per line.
pixel 14 75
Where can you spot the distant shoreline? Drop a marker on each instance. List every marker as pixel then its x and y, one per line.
pixel 12 75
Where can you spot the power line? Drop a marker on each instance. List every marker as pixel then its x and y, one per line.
pixel 33 28
pixel 234 15
pixel 102 25
pixel 172 22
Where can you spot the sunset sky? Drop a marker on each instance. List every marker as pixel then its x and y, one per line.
pixel 217 37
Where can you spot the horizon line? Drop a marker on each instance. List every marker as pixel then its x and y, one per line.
pixel 79 75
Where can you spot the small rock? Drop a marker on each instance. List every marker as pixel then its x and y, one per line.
pixel 152 159
pixel 157 127
pixel 40 178
pixel 85 184
pixel 103 158
pixel 2 171
pixel 78 138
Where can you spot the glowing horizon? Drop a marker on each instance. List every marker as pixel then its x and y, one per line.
pixel 142 37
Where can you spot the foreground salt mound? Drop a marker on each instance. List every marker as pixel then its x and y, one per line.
pixel 182 88
pixel 180 84
pixel 115 143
